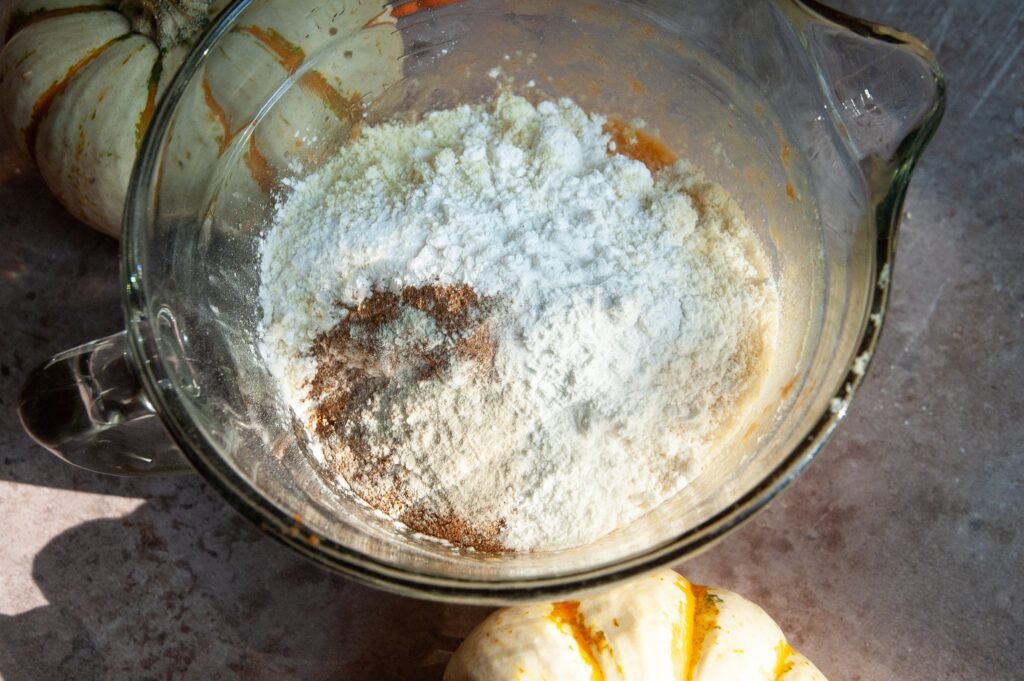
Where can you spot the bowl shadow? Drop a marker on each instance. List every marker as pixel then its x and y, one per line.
pixel 182 587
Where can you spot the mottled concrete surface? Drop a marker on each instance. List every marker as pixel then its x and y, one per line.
pixel 897 556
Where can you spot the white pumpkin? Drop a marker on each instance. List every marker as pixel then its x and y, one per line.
pixel 653 628
pixel 80 78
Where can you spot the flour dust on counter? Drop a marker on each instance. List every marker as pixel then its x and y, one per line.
pixel 507 327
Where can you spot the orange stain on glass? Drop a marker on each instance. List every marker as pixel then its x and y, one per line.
pixel 408 8
pixel 639 146
pixel 788 388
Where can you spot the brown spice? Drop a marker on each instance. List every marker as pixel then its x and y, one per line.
pixel 455 530
pixel 478 347
pixel 354 365
pixel 450 305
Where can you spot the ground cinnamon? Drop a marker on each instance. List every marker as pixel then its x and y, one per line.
pixel 356 360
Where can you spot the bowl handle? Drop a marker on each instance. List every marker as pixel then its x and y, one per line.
pixel 86 405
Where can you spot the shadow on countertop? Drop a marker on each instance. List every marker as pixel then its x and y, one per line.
pixel 58 289
pixel 182 587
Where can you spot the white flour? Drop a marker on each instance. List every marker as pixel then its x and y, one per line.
pixel 629 323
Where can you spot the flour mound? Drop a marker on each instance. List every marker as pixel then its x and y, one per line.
pixel 628 312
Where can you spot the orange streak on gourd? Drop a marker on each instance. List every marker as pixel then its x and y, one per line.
pixel 682 642
pixel 342 106
pixel 568 617
pixel 783 661
pixel 147 111
pixel 289 55
pixel 705 617
pixel 45 100
pixel 219 114
pixel 408 8
pixel 20 21
pixel 80 146
pixel 257 164
pixel 700 618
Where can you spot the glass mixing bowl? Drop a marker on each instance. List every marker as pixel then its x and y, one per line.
pixel 811 119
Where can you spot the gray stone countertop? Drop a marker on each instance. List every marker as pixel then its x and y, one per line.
pixel 897 556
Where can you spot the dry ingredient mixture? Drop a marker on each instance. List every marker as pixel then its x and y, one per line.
pixel 513 326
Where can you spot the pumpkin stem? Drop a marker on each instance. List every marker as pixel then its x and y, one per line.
pixel 166 22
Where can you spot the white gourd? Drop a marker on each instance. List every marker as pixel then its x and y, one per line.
pixel 80 78
pixel 657 627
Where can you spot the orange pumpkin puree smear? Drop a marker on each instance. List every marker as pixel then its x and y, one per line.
pixel 639 146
